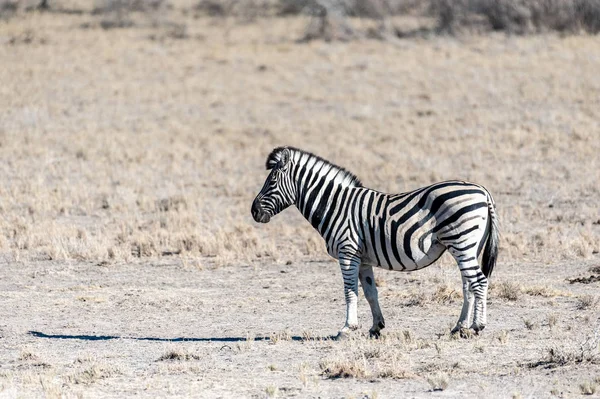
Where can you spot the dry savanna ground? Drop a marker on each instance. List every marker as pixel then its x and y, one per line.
pixel 130 154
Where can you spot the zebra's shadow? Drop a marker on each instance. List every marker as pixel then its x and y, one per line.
pixel 39 334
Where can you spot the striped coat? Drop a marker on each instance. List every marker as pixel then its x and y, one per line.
pixel 363 228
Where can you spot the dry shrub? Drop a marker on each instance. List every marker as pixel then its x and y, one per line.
pixel 445 294
pixel 530 325
pixel 93 373
pixel 244 10
pixel 343 369
pixel 517 16
pixel 8 8
pixel 507 290
pixel 124 6
pixel 419 299
pixel 395 372
pixel 177 354
pixel 438 381
pixel 586 302
pixel 332 20
pixel 587 351
pixel 118 13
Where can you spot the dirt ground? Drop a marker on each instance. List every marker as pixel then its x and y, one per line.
pixel 130 264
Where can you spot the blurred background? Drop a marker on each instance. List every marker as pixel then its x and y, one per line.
pixel 135 129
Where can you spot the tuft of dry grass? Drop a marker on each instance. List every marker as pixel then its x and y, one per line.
pixel 544 291
pixel 93 373
pixel 507 290
pixel 588 388
pixel 438 381
pixel 503 337
pixel 27 355
pixel 587 351
pixel 396 373
pixel 587 302
pixel 276 337
pixel 337 368
pixel 530 325
pixel 177 355
pixel 272 391
pixel 445 294
pixel 552 320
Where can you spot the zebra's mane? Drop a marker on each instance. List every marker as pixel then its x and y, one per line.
pixel 275 156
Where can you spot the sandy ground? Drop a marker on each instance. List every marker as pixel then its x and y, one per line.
pixel 130 264
pixel 88 330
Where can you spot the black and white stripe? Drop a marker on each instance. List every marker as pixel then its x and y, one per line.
pixel 364 228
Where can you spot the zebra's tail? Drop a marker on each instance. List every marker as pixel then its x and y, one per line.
pixel 490 252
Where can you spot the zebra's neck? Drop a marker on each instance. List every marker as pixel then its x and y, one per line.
pixel 320 186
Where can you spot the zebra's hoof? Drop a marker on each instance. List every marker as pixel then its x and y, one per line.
pixel 341 336
pixel 477 327
pixel 374 334
pixel 462 332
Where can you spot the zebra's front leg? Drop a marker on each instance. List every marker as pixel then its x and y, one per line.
pixel 467 308
pixel 350 267
pixel 367 280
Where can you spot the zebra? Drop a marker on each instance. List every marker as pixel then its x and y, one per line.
pixel 363 228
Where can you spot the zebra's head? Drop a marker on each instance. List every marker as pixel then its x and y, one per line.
pixel 279 190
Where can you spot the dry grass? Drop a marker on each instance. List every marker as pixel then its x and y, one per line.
pixel 552 320
pixel 506 290
pixel 93 373
pixel 438 381
pixel 272 391
pixel 78 187
pixel 587 351
pixel 343 369
pixel 586 302
pixel 544 291
pixel 588 388
pixel 178 355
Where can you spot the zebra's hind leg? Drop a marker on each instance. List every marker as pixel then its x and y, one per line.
pixel 350 267
pixel 367 280
pixel 477 285
pixel 467 308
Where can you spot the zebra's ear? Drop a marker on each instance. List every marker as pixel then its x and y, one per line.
pixel 278 158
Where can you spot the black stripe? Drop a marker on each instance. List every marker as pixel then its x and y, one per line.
pixel 330 211
pixel 360 219
pixel 464 248
pixel 365 216
pixel 458 214
pixel 310 185
pixel 322 207
pixel 337 215
pixel 382 239
pixel 428 190
pixel 312 197
pixel 394 241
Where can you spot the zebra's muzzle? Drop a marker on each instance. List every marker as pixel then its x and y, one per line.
pixel 258 214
